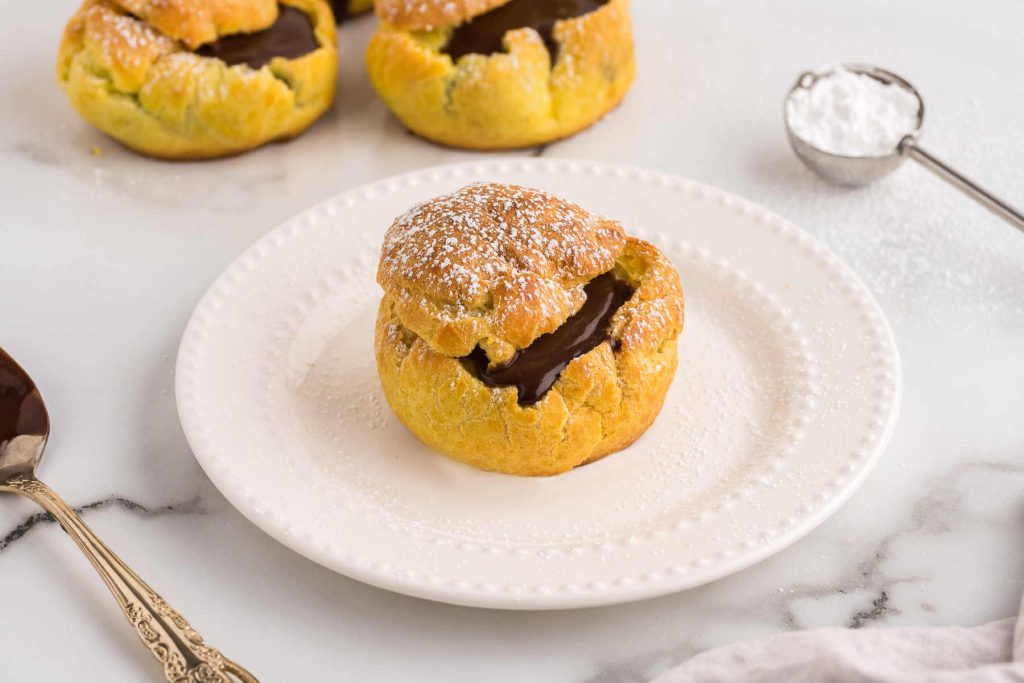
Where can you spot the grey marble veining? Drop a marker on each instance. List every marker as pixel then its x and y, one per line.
pixel 32 521
pixel 103 254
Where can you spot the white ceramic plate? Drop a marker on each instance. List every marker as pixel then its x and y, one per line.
pixel 786 393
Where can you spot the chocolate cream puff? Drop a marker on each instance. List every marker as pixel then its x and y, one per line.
pixel 519 333
pixel 195 79
pixel 499 74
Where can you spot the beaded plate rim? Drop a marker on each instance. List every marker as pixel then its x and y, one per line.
pixel 849 473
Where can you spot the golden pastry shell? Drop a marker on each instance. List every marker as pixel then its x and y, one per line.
pixel 601 402
pixel 511 99
pixel 129 68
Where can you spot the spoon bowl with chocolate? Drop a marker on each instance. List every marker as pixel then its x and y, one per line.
pixel 24 430
pixel 519 333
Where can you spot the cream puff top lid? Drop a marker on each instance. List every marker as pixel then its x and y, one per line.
pixel 424 15
pixel 195 22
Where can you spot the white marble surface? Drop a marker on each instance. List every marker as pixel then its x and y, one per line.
pixel 102 259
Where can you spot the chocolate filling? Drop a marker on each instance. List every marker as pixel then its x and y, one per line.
pixel 21 406
pixel 290 36
pixel 341 9
pixel 483 34
pixel 535 369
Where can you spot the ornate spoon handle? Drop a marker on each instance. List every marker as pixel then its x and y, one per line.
pixel 175 644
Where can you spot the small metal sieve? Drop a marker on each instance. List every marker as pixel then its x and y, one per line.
pixel 861 170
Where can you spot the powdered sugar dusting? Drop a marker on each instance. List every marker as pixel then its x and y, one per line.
pixel 428 14
pixel 518 257
pixel 736 372
pixel 462 245
pixel 126 45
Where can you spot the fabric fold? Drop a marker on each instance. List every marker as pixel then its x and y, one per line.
pixel 991 653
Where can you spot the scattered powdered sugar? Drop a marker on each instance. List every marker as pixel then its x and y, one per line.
pixel 852 114
pixel 428 14
pixel 132 33
pixel 124 40
pixel 500 246
pixel 735 372
pixel 922 248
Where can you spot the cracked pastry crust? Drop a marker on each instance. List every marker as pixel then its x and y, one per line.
pixel 446 268
pixel 129 69
pixel 511 99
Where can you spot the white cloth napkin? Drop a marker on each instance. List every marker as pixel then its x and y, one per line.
pixel 993 653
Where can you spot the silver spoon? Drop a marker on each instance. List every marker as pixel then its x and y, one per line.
pixel 24 428
pixel 861 170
